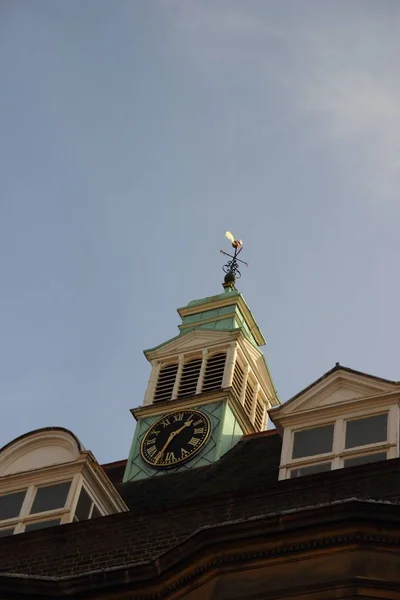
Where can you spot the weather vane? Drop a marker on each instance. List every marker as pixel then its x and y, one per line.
pixel 232 267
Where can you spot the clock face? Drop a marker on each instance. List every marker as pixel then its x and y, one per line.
pixel 175 438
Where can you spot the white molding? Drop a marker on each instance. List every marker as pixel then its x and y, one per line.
pixel 177 383
pixel 204 358
pixel 152 383
pixel 229 365
pixel 246 373
pixel 254 402
pixel 38 450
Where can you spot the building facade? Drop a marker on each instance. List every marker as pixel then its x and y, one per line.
pixel 210 504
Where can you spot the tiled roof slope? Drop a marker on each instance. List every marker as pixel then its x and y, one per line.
pixel 167 510
pixel 115 471
pixel 251 464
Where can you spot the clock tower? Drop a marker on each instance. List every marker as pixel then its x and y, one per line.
pixel 208 386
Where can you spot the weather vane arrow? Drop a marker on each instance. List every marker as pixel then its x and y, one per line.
pixel 231 268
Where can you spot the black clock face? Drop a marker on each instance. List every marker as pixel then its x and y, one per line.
pixel 175 438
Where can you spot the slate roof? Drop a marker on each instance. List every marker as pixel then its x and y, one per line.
pixel 251 464
pixel 115 470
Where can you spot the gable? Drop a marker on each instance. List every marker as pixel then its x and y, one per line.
pixel 339 387
pixel 189 342
pixel 38 449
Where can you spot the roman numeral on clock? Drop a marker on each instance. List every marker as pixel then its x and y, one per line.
pixel 178 417
pixel 170 457
pixel 199 430
pixel 198 422
pixel 194 441
pixel 151 451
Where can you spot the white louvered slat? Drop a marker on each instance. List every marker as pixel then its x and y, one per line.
pixel 214 372
pixel 165 383
pixel 189 378
pixel 237 381
pixel 248 399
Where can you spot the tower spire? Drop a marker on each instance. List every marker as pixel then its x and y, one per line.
pixel 231 268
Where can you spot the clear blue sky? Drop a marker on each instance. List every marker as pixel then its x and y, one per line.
pixel 133 133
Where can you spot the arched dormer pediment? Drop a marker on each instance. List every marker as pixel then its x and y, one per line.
pixel 38 449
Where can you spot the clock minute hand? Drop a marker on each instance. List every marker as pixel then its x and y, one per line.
pixel 170 438
pixel 163 449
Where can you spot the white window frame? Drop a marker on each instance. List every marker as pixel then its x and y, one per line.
pixel 95 502
pixel 339 452
pixel 26 518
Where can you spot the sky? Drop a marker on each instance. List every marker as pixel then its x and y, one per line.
pixel 133 134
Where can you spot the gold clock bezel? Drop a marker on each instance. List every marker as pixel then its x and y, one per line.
pixel 185 458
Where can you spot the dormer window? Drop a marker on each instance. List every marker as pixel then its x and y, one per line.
pixel 49 479
pixel 345 442
pixel 344 419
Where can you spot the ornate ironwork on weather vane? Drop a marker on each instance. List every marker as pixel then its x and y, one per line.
pixel 232 267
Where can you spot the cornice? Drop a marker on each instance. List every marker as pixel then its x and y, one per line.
pixel 197 401
pixel 248 543
pixel 43 475
pixel 217 318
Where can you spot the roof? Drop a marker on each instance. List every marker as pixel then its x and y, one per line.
pixel 227 311
pixel 42 430
pixel 115 470
pixel 168 511
pixel 250 464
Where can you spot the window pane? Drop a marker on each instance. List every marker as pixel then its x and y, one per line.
pixel 369 430
pixel 10 505
pixel 309 470
pixel 50 497
pixel 95 513
pixel 6 532
pixel 42 524
pixel 367 458
pixel 83 507
pixel 313 441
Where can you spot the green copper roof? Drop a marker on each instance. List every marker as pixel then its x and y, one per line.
pixel 226 294
pixel 224 312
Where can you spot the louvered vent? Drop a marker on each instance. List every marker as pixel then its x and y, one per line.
pixel 165 383
pixel 190 376
pixel 237 381
pixel 248 398
pixel 214 372
pixel 259 416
